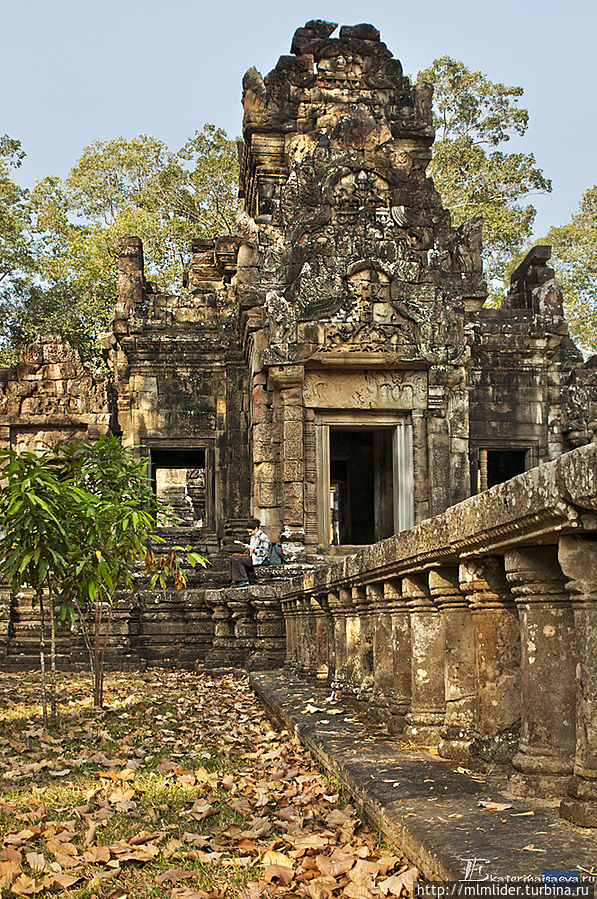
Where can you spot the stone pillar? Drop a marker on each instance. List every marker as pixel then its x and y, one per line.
pixel 331 606
pixel 352 623
pixel 289 609
pixel 363 672
pixel 420 465
pixel 496 639
pixel 270 644
pixel 578 561
pixel 391 654
pixel 311 612
pixel 428 707
pixel 547 740
pixel 234 627
pixel 321 641
pixel 439 463
pixel 459 663
pixel 383 659
pixel 303 635
pixel 264 450
pixel 130 283
pixel 292 462
pixel 402 653
pixel 341 608
pixel 288 380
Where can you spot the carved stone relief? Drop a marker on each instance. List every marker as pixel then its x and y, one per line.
pixel 369 290
pixel 366 390
pixel 360 193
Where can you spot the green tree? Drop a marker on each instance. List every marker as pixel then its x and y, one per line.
pixel 15 237
pixel 111 531
pixel 474 118
pixel 79 520
pixel 119 187
pixel 35 541
pixel 15 246
pixel 574 257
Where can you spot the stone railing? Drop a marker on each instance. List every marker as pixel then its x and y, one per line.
pixel 475 630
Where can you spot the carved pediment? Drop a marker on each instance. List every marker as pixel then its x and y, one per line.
pixel 358 193
pixel 370 336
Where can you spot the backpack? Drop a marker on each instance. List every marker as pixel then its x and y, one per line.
pixel 275 555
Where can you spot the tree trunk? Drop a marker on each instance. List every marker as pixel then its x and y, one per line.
pixel 42 659
pixel 102 666
pixel 97 656
pixel 52 660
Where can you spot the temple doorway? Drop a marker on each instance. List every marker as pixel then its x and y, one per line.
pixel 361 485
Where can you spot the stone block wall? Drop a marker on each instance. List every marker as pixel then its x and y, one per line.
pixel 49 395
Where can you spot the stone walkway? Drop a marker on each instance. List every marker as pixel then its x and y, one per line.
pixel 438 814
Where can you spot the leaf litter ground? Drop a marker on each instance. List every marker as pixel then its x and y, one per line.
pixel 178 789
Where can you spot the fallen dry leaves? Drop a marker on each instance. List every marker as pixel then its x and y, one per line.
pixel 179 789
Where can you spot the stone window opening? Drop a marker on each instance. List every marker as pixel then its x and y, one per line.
pixel 497 465
pixel 179 478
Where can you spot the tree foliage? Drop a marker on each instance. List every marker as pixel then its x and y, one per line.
pixel 474 118
pixel 574 257
pixel 117 187
pixel 16 259
pixel 35 539
pixel 79 519
pixel 15 255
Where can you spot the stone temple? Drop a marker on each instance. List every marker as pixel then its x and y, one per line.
pixel 332 370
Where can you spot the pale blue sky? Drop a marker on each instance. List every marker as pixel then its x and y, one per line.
pixel 76 71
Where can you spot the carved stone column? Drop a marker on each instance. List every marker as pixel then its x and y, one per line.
pixel 289 609
pixel 304 635
pixel 547 739
pixel 314 639
pixel 269 646
pixel 363 671
pixel 428 707
pixel 578 560
pixel 321 640
pixel 383 657
pixel 459 663
pixel 340 607
pixel 496 638
pixel 351 669
pixel 234 627
pixel 288 380
pixel 401 651
pixel 328 604
pixel 420 465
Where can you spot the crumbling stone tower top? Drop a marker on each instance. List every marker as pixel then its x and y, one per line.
pixel 346 92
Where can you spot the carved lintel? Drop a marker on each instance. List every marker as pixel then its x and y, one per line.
pixel 366 390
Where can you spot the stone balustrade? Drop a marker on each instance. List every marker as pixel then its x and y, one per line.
pixel 248 629
pixel 474 631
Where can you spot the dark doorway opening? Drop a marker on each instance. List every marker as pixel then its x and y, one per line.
pixel 179 477
pixel 504 464
pixel 361 485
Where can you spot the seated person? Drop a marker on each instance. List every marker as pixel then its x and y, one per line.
pixel 242 565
